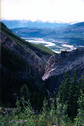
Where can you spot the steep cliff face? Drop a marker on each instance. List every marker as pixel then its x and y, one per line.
pixel 20 63
pixel 59 64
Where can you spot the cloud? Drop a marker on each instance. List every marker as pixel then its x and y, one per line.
pixel 44 10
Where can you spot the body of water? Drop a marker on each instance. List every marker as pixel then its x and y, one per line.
pixel 55 45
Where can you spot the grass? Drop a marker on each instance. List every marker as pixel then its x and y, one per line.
pixel 43 49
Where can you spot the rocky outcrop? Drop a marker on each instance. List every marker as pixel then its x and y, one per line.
pixel 59 64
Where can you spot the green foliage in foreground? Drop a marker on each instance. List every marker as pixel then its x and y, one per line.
pixel 27 116
pixel 24 115
pixel 57 112
pixel 47 117
pixel 69 92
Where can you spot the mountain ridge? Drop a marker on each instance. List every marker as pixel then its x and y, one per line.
pixel 32 24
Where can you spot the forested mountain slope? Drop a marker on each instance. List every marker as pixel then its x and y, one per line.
pixel 21 63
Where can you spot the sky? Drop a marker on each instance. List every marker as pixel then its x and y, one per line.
pixel 43 10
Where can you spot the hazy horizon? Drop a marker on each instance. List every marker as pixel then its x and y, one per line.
pixel 52 11
pixel 39 21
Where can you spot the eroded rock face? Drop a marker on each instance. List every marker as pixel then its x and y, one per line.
pixel 59 64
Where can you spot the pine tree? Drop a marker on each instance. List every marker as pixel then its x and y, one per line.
pixel 79 121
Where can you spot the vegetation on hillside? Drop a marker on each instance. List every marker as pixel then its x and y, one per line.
pixel 16 71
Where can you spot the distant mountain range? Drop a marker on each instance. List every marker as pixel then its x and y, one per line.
pixel 56 36
pixel 71 31
pixel 30 24
pixel 69 34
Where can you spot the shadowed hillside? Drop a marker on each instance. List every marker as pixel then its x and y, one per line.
pixel 21 63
